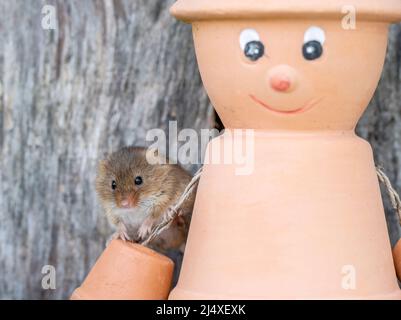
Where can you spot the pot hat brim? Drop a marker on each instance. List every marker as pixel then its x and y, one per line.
pixel 366 10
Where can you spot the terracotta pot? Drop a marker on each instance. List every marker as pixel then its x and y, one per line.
pixel 397 258
pixel 127 271
pixel 308 223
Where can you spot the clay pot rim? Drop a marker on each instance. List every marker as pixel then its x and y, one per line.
pixel 146 251
pixel 366 10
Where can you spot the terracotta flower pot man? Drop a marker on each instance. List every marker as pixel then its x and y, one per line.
pixel 309 221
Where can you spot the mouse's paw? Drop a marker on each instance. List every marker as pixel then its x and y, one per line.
pixel 145 229
pixel 124 236
pixel 118 235
pixel 123 233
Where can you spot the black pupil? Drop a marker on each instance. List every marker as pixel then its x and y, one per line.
pixel 312 50
pixel 254 50
pixel 113 185
pixel 138 181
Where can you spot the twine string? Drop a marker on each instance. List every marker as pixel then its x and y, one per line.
pixel 392 193
pixel 173 212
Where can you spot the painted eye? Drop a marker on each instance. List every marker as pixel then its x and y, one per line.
pixel 114 185
pixel 314 39
pixel 138 181
pixel 251 45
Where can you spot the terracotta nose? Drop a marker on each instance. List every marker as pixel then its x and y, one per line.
pixel 280 83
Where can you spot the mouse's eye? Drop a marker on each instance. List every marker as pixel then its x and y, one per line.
pixel 113 185
pixel 138 181
pixel 314 39
pixel 251 45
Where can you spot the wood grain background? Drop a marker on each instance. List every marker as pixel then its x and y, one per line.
pixel 109 72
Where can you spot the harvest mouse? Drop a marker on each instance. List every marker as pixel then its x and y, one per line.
pixel 135 194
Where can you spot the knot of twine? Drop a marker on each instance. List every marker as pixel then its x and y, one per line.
pixel 174 211
pixel 392 193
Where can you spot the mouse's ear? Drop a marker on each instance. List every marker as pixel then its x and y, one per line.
pixel 102 166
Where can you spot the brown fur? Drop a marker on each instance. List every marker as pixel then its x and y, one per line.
pixel 162 185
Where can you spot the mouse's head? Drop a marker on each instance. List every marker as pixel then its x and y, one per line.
pixel 126 181
pixel 291 64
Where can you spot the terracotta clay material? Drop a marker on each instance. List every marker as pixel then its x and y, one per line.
pixel 319 213
pixel 308 223
pixel 397 259
pixel 372 10
pixel 127 271
pixel 317 101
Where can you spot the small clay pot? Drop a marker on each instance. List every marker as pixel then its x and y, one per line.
pixel 397 259
pixel 127 271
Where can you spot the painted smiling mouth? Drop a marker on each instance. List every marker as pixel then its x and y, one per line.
pixel 309 105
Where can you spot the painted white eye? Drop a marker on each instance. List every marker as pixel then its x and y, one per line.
pixel 315 34
pixel 248 35
pixel 251 45
pixel 314 39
